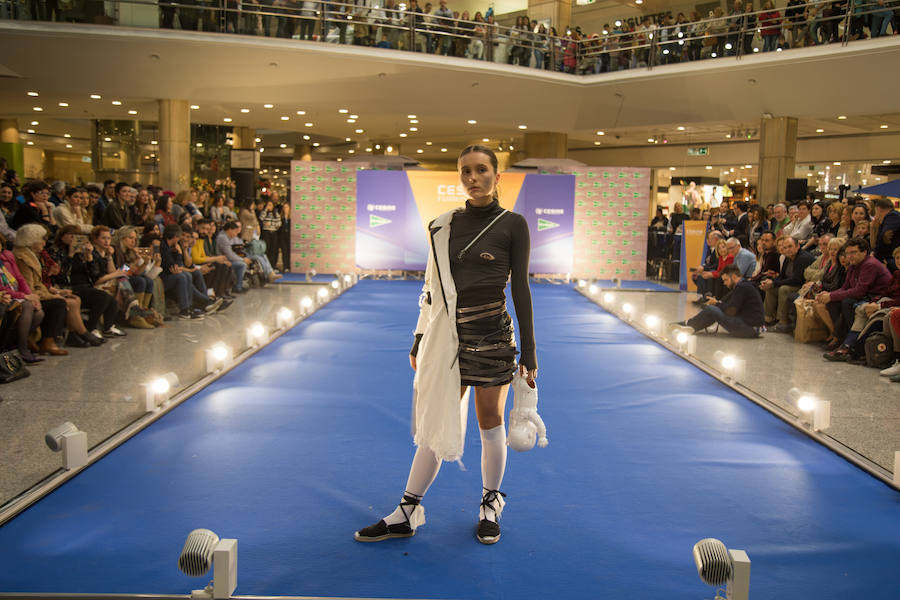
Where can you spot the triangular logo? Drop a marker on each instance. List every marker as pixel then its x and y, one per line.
pixel 376 221
pixel 544 224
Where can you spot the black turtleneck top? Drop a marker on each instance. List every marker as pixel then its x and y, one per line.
pixel 499 255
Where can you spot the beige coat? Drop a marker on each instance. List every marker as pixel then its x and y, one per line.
pixel 30 267
pixel 65 214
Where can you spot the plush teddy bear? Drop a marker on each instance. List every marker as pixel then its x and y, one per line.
pixel 524 421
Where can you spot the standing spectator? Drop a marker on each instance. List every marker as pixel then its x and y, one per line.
pixel 881 18
pixel 735 22
pixel 284 237
pixel 270 223
pixel 6 200
pixel 443 24
pixel 307 19
pixel 770 25
pixel 886 232
pixel 748 27
pixel 793 14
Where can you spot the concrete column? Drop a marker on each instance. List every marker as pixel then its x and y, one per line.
pixel 546 145
pixel 174 145
pixel 303 152
pixel 777 158
pixel 9 131
pixel 558 11
pixel 244 138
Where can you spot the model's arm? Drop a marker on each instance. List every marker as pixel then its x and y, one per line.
pixel 519 255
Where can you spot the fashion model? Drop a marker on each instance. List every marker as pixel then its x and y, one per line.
pixel 464 338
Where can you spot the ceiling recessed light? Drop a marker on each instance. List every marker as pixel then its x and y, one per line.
pixel 601 133
pixel 199 144
pixel 680 128
pixel 283 145
pixel 597 143
pixel 257 140
pixel 402 135
pixel 820 131
pixel 354 116
pixel 245 110
pixel 227 119
pixel 343 111
pixel 29 143
pixel 67 135
pixel 836 163
pixel 671 168
pixel 339 159
pixel 35 123
pixel 285 118
pixel 359 130
pixel 651 140
pixel 268 106
pixel 347 139
pixel 443 149
pixel 842 117
pixel 68 145
pixel 351 120
pixel 31 131
pixel 64 104
pixel 301 112
pixel 351 151
pixel 419 151
pixel 307 124
pixel 472 122
pixel 413 128
pixel 748 166
pixel 708 167
pixel 154 142
pixel 107 139
pixel 261 150
pixel 132 112
pixel 410 116
pixel 316 144
pixel 883 126
pixel 511 147
pixel 96 96
pixel 33 94
pixel 195 107
pixel 37 109
pixel 885 162
pixel 727 136
pixel 485 139
pixel 368 149
pixel 117 103
pixel 414 121
pixel 428 143
pixel 523 126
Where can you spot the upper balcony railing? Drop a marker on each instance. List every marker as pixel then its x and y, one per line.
pixel 405 28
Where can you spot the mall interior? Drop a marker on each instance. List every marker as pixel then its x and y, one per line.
pixel 283 422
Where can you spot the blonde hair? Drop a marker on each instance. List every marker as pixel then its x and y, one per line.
pixel 183 197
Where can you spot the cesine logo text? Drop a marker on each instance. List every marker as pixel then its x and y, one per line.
pixel 549 211
pixel 382 207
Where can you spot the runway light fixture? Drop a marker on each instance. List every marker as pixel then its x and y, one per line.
pixel 66 438
pixel 718 566
pixel 284 317
pixel 203 549
pixel 306 304
pixel 582 283
pixel 809 403
pixel 609 297
pixel 322 295
pixel 731 365
pixel 627 308
pixel 219 357
pixel 652 322
pixel 592 289
pixel 158 391
pixel 255 335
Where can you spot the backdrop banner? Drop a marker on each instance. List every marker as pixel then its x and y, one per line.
pixel 693 246
pixel 393 210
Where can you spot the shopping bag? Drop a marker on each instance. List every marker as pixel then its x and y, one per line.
pixel 809 328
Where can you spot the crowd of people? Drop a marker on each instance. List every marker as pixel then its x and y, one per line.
pixel 78 265
pixel 810 264
pixel 665 38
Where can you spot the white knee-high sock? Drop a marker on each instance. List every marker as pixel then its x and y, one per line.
pixel 493 464
pixel 424 469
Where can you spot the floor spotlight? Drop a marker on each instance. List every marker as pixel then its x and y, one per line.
pixel 582 283
pixel 731 365
pixel 609 297
pixel 652 322
pixel 335 285
pixel 72 443
pixel 685 340
pixel 718 566
pixel 306 304
pixel 627 308
pixel 256 333
pixel 322 295
pixel 203 549
pixel 158 391
pixel 284 317
pixel 219 356
pixel 808 403
pixel 348 281
pixel 592 289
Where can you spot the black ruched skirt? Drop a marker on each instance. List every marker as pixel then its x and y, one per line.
pixel 487 345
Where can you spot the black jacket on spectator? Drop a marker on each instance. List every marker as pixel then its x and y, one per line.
pixel 792 270
pixel 114 216
pixel 27 213
pixel 170 258
pixel 834 278
pixel 83 272
pixel 742 230
pixel 745 302
pixel 888 239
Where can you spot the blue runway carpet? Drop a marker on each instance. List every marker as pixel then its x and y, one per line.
pixel 308 441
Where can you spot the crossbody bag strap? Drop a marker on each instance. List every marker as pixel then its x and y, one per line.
pixel 464 251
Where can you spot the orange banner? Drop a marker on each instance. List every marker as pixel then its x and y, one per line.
pixel 436 192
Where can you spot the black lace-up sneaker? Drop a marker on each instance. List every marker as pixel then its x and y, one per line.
pixel 415 516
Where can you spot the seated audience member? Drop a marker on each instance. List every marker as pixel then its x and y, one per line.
pixel 859 213
pixel 104 275
pixel 868 319
pixel 708 282
pixel 660 222
pixel 118 212
pixel 217 210
pixel 843 227
pixel 740 312
pixel 757 225
pixel 834 272
pixel 70 256
pixel 801 223
pixel 7 202
pixel 219 276
pixel 741 229
pixel 30 312
pixel 886 228
pixel 862 229
pixel 36 208
pixel 743 258
pixel 139 270
pixel 867 279
pixel 224 242
pixel 821 224
pixel 178 281
pixel 678 217
pixel 779 289
pixel 767 259
pixel 164 215
pixel 29 243
pixel 69 212
pixel 814 271
pixel 780 220
pixel 199 272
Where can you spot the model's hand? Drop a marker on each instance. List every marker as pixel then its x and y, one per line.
pixel 529 375
pixel 412 362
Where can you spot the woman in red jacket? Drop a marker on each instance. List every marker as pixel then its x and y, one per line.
pixel 770 26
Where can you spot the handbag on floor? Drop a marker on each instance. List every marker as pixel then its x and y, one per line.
pixel 809 327
pixel 12 368
pixel 879 351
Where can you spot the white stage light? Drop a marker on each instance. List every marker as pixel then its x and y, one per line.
pixel 592 289
pixel 652 321
pixel 685 340
pixel 158 391
pixel 608 297
pixel 306 305
pixel 732 366
pixel 72 443
pixel 627 309
pixel 284 317
pixel 682 337
pixel 718 566
pixel 582 283
pixel 256 334
pixel 322 295
pixel 203 549
pixel 808 403
pixel 335 285
pixel 219 356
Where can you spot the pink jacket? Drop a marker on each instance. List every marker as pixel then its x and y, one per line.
pixel 9 261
